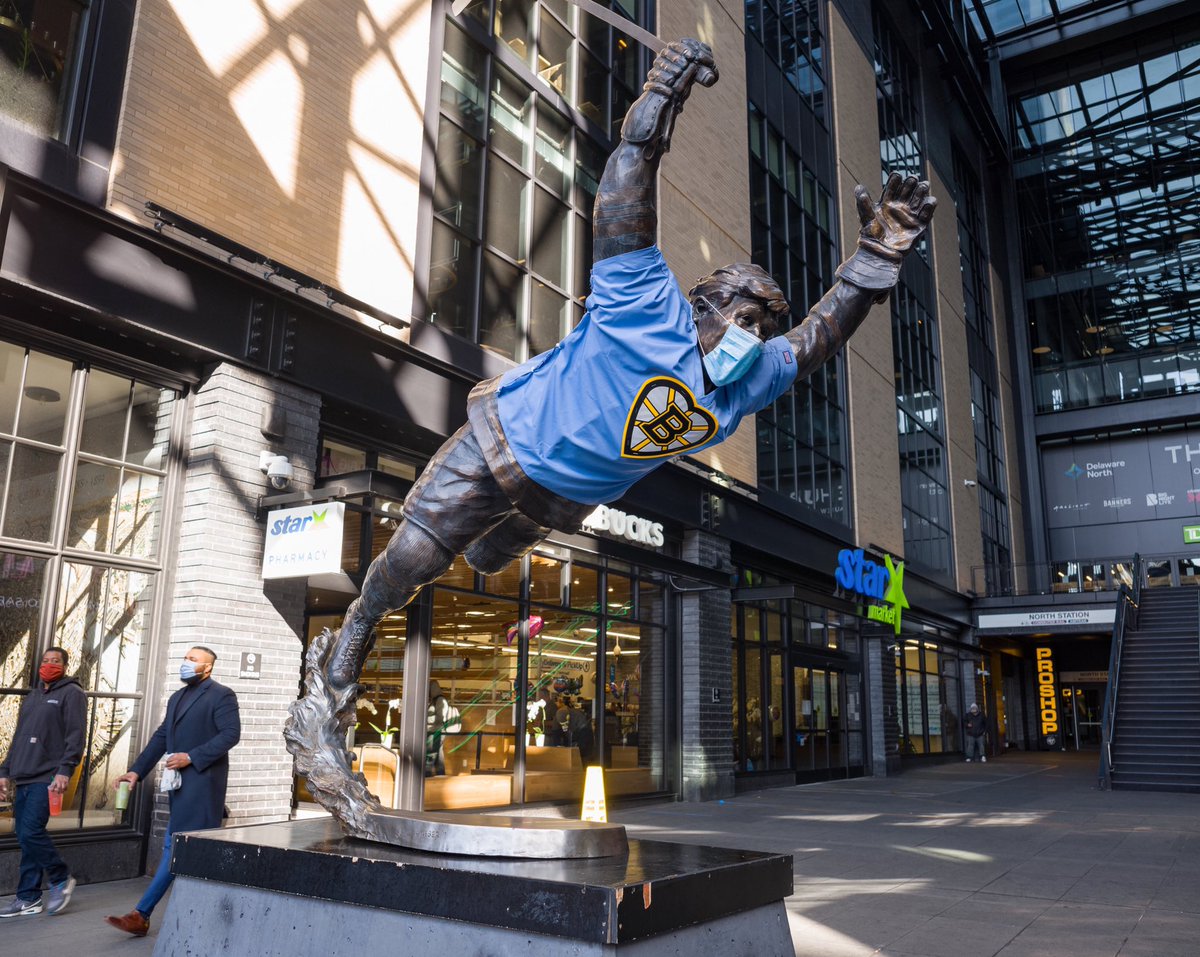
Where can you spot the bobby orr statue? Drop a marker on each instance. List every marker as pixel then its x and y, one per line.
pixel 647 375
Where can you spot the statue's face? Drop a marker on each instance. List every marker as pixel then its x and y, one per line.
pixel 711 324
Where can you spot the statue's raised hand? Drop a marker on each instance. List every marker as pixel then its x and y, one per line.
pixel 680 65
pixel 891 226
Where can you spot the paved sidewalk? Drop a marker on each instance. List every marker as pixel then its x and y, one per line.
pixel 1020 857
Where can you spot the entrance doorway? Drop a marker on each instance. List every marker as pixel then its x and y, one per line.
pixel 827 721
pixel 1082 707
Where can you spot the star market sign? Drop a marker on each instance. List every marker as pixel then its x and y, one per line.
pixel 303 541
pixel 882 584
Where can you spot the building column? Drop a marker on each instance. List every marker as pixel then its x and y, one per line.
pixel 706 663
pixel 219 598
pixel 878 671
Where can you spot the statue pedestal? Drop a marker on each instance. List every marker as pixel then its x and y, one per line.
pixel 301 888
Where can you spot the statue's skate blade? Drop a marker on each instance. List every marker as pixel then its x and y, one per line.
pixel 487 835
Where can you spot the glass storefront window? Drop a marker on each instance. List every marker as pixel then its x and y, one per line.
pixel 91 446
pixel 775 725
pixel 547 579
pixel 337 459
pixel 754 708
pixel 634 732
pixel 651 599
pixel 32 488
pixel 506 582
pixel 44 399
pixel 22 587
pixel 103 621
pixel 585 587
pixel 620 595
pixel 600 675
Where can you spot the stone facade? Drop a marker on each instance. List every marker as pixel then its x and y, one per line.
pixel 218 597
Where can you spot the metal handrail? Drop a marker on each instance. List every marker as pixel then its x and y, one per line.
pixel 1129 599
pixel 1094 573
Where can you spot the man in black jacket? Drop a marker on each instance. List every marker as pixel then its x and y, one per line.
pixel 46 748
pixel 202 724
pixel 975 727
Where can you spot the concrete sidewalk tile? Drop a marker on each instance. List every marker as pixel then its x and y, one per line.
pixel 1179 897
pixel 1016 885
pixel 1158 947
pixel 948 937
pixel 1131 886
pixel 815 938
pixel 1069 917
pixel 858 923
pixel 1042 946
pixel 999 908
pixel 1168 925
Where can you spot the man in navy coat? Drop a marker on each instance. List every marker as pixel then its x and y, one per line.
pixel 201 726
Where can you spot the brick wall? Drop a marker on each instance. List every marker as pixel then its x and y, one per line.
pixel 286 128
pixel 706 663
pixel 875 454
pixel 704 189
pixel 218 597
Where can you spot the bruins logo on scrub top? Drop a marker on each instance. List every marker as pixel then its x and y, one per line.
pixel 665 419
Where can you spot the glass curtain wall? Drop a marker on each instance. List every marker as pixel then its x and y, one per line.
pixel 532 99
pixel 40 52
pixel 801 437
pixel 84 459
pixel 1107 181
pixel 981 356
pixel 925 504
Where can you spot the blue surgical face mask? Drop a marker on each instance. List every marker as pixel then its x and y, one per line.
pixel 732 357
pixel 188 673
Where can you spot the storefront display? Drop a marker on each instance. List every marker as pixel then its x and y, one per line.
pixel 584 637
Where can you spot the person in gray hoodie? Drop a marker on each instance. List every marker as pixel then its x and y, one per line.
pixel 46 748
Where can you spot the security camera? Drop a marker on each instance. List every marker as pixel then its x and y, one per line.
pixel 277 468
pixel 970 483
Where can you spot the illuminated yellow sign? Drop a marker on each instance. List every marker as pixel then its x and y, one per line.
pixel 1047 696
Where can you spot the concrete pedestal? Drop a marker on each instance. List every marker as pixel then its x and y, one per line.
pixel 301 888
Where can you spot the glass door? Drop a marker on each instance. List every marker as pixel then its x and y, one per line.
pixel 821 740
pixel 1084 707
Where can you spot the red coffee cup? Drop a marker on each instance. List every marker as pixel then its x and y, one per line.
pixel 55 802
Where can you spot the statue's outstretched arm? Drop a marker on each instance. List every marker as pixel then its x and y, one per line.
pixel 625 217
pixel 889 230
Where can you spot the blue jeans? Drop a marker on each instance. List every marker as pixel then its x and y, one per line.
pixel 31 811
pixel 162 880
pixel 974 746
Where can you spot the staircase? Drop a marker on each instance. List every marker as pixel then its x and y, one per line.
pixel 1156 737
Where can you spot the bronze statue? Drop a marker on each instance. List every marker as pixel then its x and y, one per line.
pixel 647 375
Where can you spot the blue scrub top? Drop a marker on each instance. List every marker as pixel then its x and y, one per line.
pixel 624 392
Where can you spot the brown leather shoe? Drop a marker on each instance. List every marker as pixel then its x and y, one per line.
pixel 132 923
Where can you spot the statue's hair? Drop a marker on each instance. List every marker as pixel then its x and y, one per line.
pixel 750 282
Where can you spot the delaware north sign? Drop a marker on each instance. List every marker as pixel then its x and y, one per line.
pixel 880 586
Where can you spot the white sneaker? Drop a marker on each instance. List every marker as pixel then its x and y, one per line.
pixel 60 896
pixel 968 760
pixel 983 758
pixel 20 908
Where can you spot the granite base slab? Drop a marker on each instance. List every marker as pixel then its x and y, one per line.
pixel 301 888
